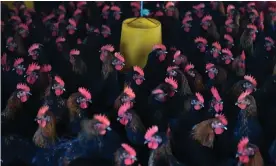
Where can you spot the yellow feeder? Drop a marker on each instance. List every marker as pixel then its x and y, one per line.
pixel 137 39
pixel 29 4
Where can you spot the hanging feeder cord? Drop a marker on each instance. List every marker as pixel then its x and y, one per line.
pixel 141 9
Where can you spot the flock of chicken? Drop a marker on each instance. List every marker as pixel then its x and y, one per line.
pixel 206 96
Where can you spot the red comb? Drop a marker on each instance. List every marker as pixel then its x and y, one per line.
pixel 176 54
pixel 189 66
pixel 128 90
pixel 74 52
pixel 227 52
pixel 159 46
pixel 123 108
pixel 24 26
pixel 169 4
pixel 229 38
pixel 42 110
pixel 186 19
pixel 228 21
pixel 102 119
pixel 139 70
pixel 85 93
pixel 115 8
pixel 243 55
pixel 170 68
pixel 107 47
pixel 251 79
pixel 18 61
pixel 272 9
pixel 157 91
pixel 105 8
pixel 242 144
pixel 9 40
pixel 251 26
pixel 250 4
pixel 215 93
pixel 33 47
pixel 48 17
pixel 22 86
pixel 172 82
pixel 129 150
pixel 32 67
pixel 199 97
pixel 119 56
pixel 222 118
pixel 243 95
pixel 135 5
pixel 106 27
pixel 262 16
pixel 60 39
pixel 217 45
pixel 81 3
pixel 72 22
pixel 4 59
pixel 16 18
pixel 230 7
pixel 61 7
pixel 209 66
pixel 199 6
pixel 77 12
pixel 255 12
pixel 206 18
pixel 46 68
pixel 59 80
pixel 150 132
pixel 188 13
pixel 269 39
pixel 200 40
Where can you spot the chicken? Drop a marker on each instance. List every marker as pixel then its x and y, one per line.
pixel 125 155
pixel 32 73
pixel 76 104
pixel 157 108
pixel 209 26
pixel 205 131
pixel 238 65
pixel 248 83
pixel 179 59
pixel 216 103
pixel 133 125
pixel 247 123
pixel 78 65
pixel 126 96
pixel 53 98
pixel 248 153
pixel 194 78
pixel 175 72
pixel 6 66
pixel 217 76
pixel 159 143
pixel 97 139
pixel 45 136
pixel 247 39
pixel 16 100
pixel 152 73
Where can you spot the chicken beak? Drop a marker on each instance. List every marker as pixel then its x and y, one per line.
pixel 206 71
pixel 225 128
pixel 173 61
pixel 64 89
pixel 109 128
pixel 29 93
pixel 118 119
pixel 13 69
pixel 146 142
pixel 236 103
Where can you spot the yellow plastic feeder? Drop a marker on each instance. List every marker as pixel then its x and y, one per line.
pixel 29 4
pixel 137 39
